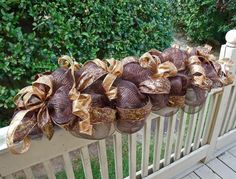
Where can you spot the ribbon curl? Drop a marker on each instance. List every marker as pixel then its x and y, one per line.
pixel 81 103
pixel 114 68
pixel 31 100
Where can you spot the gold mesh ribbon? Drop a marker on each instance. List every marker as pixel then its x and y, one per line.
pixel 149 61
pixel 114 69
pixel 31 99
pixel 198 73
pixel 81 102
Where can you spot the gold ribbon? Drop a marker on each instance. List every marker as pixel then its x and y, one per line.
pixel 149 61
pixel 198 73
pixel 31 99
pixel 166 69
pixel 114 69
pixel 81 102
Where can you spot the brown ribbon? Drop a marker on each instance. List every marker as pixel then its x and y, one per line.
pixel 81 102
pixel 31 99
pixel 166 69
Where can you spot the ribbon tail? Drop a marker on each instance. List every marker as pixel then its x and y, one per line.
pixel 110 91
pixel 15 123
pixel 45 122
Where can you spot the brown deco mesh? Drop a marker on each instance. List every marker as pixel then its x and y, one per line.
pixel 133 107
pixel 102 115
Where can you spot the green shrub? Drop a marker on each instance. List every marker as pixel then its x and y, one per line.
pixel 204 20
pixel 34 33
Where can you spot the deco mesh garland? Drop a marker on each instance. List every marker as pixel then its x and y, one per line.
pixel 94 99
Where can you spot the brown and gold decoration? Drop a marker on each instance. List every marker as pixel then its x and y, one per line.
pixel 97 98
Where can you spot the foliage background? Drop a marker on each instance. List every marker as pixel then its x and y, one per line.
pixel 33 34
pixel 204 20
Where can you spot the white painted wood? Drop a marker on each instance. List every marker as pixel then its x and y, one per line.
pixel 180 134
pixel 102 154
pixel 226 117
pixel 219 111
pixel 158 142
pixel 180 165
pixel 84 154
pixel 229 160
pixel 208 120
pixel 169 139
pixel 225 140
pixel 49 169
pixel 146 147
pixel 132 155
pixel 221 169
pixel 29 173
pixel 191 176
pixel 205 172
pixel 68 166
pixel 230 37
pixel 232 151
pixel 232 111
pixel 191 129
pixel 41 150
pixel 200 123
pixel 3 145
pixel 117 143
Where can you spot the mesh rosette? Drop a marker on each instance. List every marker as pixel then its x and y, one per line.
pixel 132 107
pixel 102 115
pixel 95 116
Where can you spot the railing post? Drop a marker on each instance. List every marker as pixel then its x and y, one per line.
pixel 227 51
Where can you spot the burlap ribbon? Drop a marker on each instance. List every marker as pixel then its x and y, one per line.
pixel 31 99
pixel 81 102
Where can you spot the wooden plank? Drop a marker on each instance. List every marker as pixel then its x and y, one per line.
pixel 117 143
pixel 226 117
pixel 41 150
pixel 29 173
pixel 200 125
pixel 170 139
pixel 180 165
pixel 158 142
pixel 49 169
pixel 205 172
pixel 232 119
pixel 68 166
pixel 233 150
pixel 180 134
pixel 221 169
pixel 189 138
pixel 132 155
pixel 191 176
pixel 102 154
pixel 208 119
pixel 229 160
pixel 226 141
pixel 146 147
pixel 84 154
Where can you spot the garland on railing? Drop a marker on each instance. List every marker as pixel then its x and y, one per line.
pixel 95 99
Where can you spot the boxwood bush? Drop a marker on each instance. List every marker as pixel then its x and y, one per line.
pixel 34 33
pixel 204 20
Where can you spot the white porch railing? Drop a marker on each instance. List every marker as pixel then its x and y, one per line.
pixel 197 138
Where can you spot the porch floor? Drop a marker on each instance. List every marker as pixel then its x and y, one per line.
pixel 224 166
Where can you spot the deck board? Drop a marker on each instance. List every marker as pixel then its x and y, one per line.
pixel 191 176
pixel 205 172
pixel 222 167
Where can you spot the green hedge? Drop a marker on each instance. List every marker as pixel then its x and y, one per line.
pixel 34 33
pixel 204 20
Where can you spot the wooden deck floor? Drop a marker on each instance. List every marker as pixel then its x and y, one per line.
pixel 224 166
